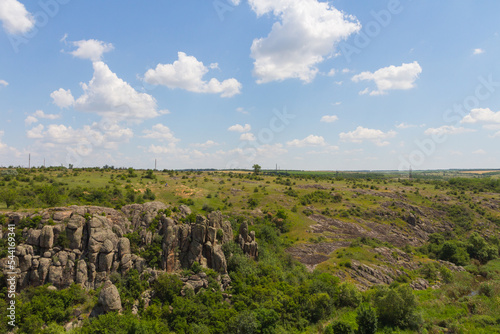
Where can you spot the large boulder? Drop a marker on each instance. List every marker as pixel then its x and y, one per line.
pixel 109 298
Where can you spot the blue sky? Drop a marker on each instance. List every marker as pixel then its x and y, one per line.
pixel 339 85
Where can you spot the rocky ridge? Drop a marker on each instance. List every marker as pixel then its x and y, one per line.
pixel 87 244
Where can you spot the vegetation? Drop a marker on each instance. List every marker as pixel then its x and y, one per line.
pixel 276 293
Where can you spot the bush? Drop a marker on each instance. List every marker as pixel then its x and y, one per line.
pixel 396 306
pixel 339 327
pixel 366 318
pixel 348 295
pixel 167 287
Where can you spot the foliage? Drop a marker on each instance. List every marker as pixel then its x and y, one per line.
pixel 167 287
pixel 366 318
pixel 396 306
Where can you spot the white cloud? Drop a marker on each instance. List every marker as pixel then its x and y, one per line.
pixel 332 72
pixel 3 83
pixel 248 136
pixel 480 151
pixel 240 128
pixel 91 49
pixel 113 98
pixel 187 73
pixel 160 132
pixel 310 140
pixel 482 115
pixel 307 31
pixel 15 18
pixel 61 138
pixel 329 118
pixel 207 144
pixel 41 114
pixel 36 132
pixel 404 125
pixel 361 134
pixel 30 120
pixel 242 110
pixel 8 153
pixel 447 130
pixel 478 51
pixel 390 78
pixel 62 98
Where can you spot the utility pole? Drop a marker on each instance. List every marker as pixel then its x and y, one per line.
pixel 155 164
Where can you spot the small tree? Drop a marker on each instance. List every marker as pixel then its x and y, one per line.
pixel 366 318
pixel 256 169
pixel 9 197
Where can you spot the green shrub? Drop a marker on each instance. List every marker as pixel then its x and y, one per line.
pixel 366 318
pixel 347 295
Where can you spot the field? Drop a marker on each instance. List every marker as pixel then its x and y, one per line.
pixel 437 231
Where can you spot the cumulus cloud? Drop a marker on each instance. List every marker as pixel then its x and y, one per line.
pixel 3 83
pixel 208 144
pixel 329 118
pixel 480 151
pixel 242 110
pixel 15 18
pixel 41 114
pixel 306 32
pixel 62 98
pixel 447 130
pixel 161 133
pixel 482 115
pixel 36 132
pixel 404 125
pixel 187 73
pixel 391 78
pixel 84 140
pixel 91 49
pixel 485 116
pixel 478 51
pixel 310 140
pixel 361 134
pixel 113 98
pixel 240 128
pixel 248 136
pixel 30 120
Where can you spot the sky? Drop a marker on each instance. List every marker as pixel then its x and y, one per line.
pixel 298 84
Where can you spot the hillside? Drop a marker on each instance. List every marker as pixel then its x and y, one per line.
pixel 235 252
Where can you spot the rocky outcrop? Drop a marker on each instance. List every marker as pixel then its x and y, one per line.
pixel 86 245
pixel 247 241
pixel 109 298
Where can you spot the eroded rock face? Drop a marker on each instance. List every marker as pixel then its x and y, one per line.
pixel 86 244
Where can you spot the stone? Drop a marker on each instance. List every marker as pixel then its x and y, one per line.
pixel 185 210
pixel 109 298
pixel 47 237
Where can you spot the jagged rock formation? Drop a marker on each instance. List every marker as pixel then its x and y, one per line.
pixel 85 245
pixel 247 241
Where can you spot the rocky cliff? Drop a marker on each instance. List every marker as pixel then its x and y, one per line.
pixel 86 244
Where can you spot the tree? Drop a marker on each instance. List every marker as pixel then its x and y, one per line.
pixel 50 195
pixel 366 318
pixel 256 169
pixel 397 307
pixel 9 197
